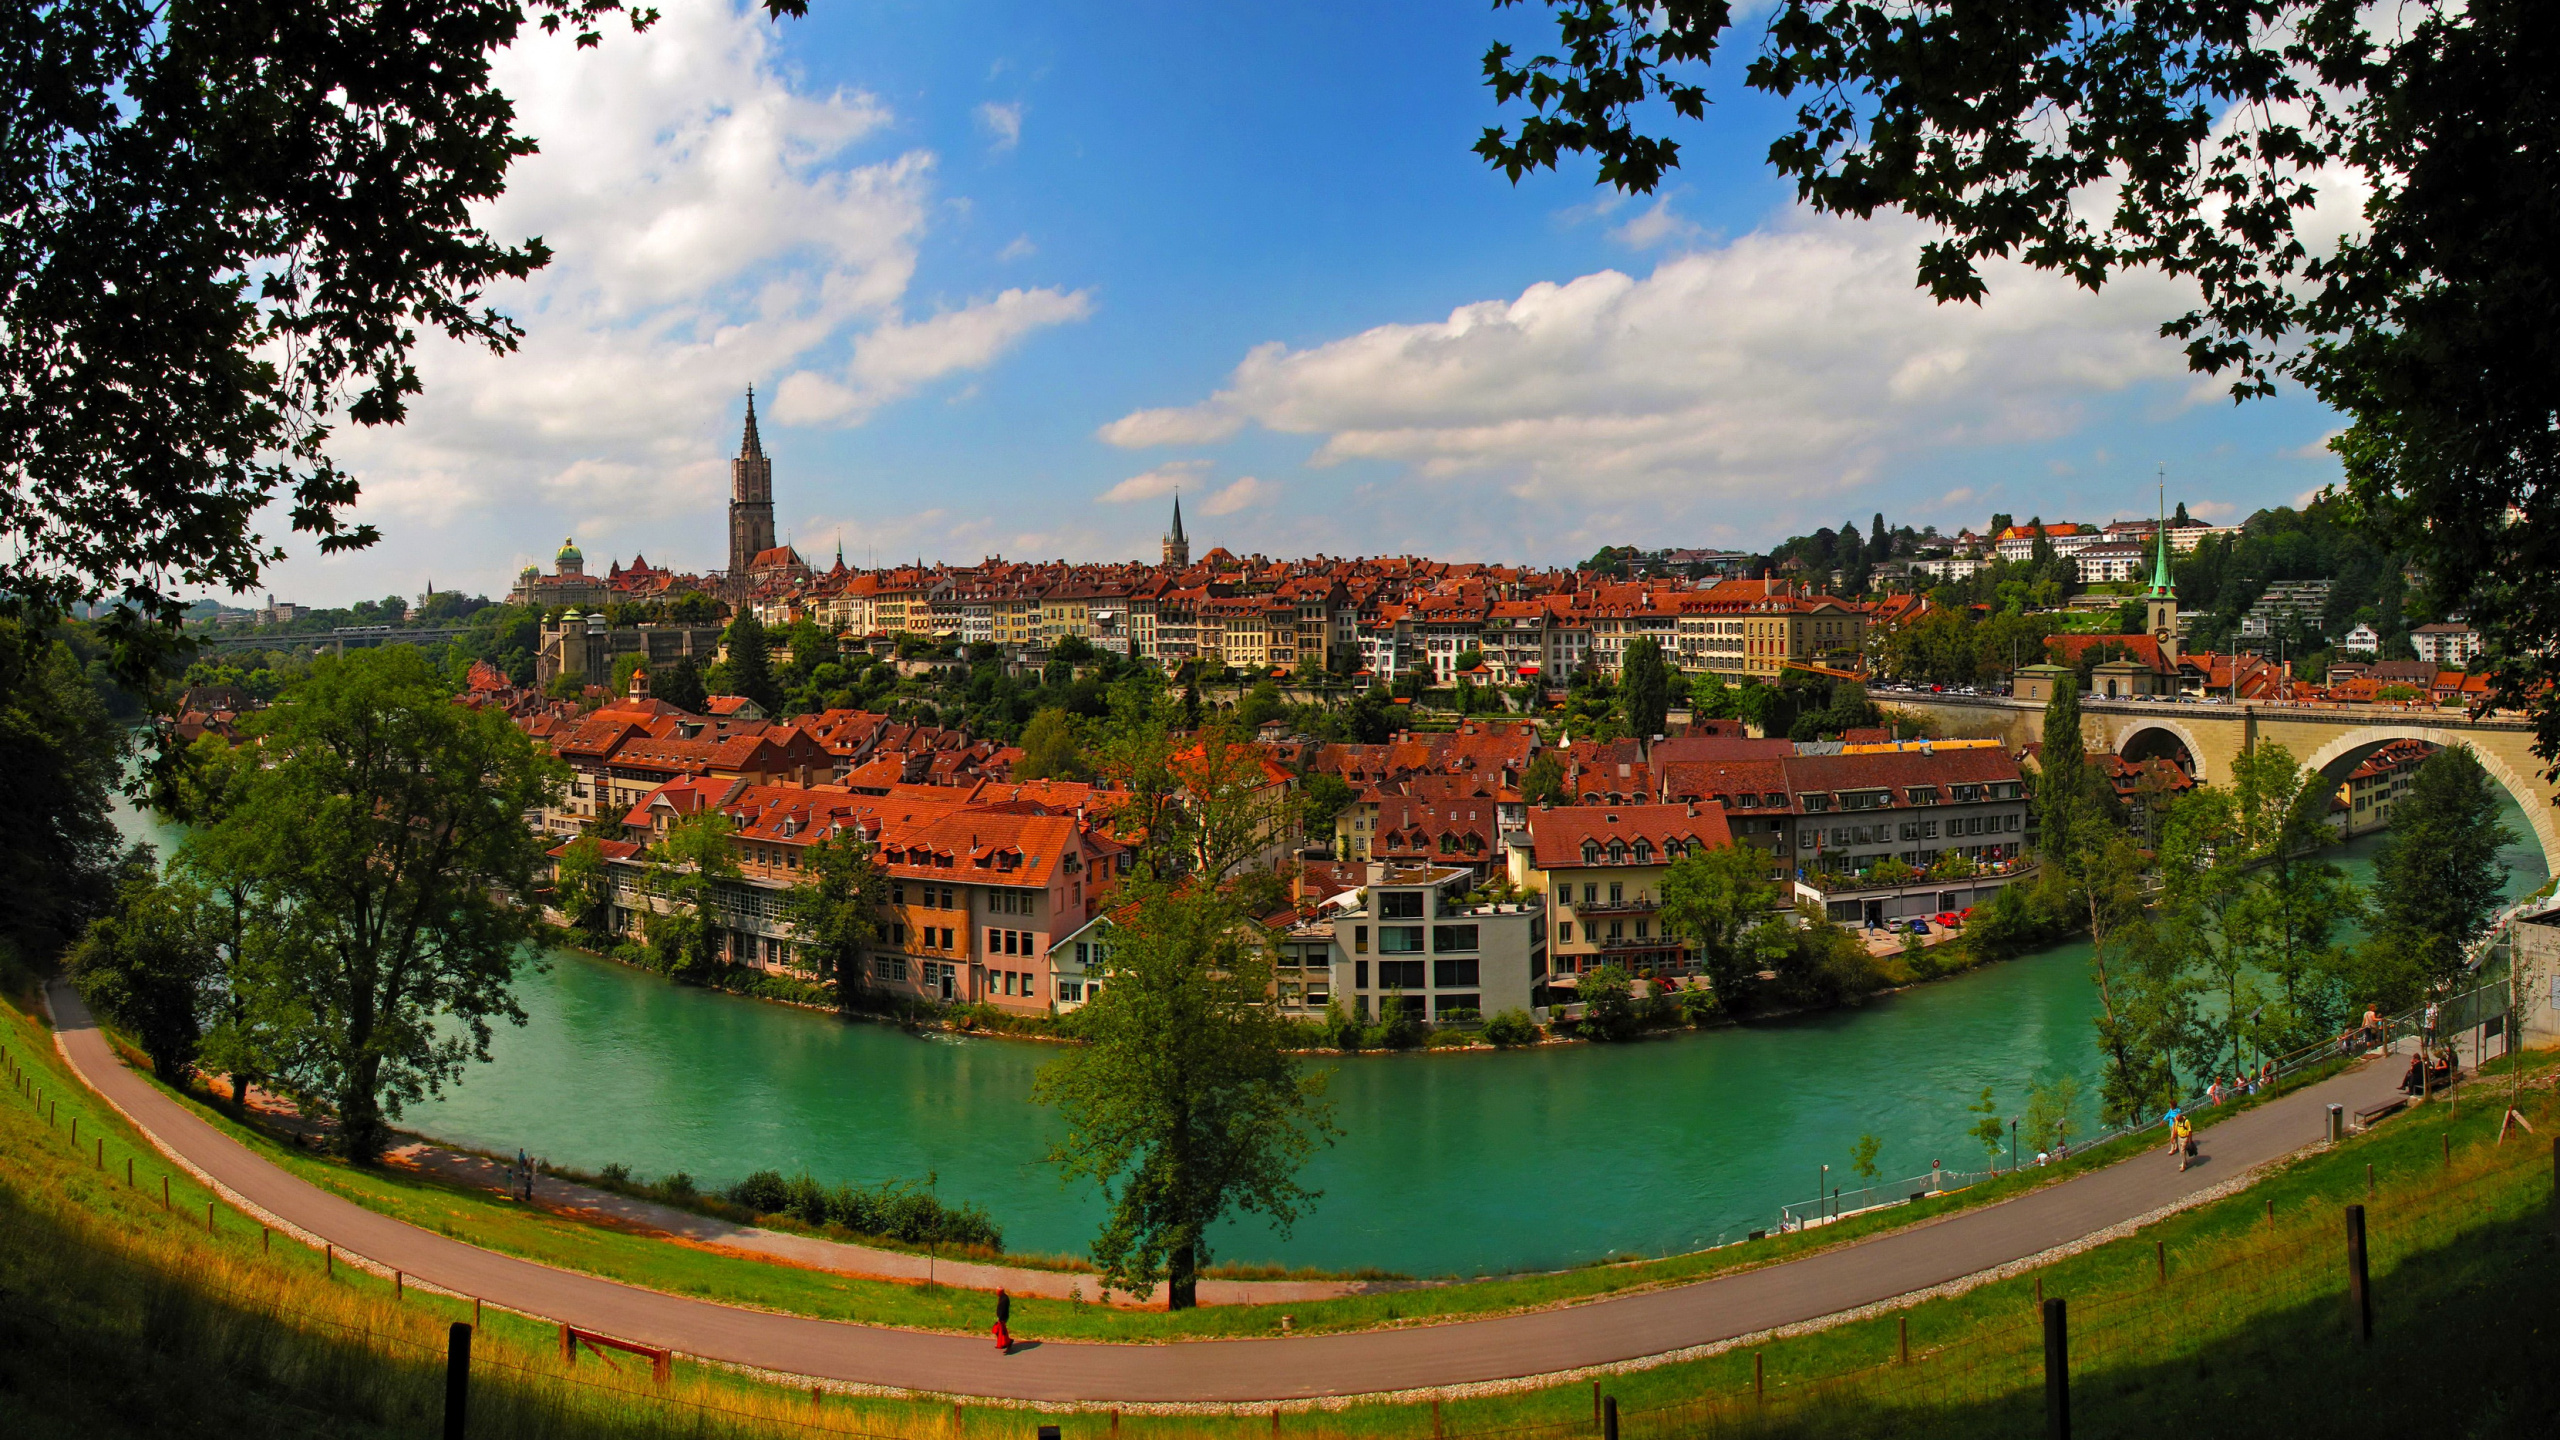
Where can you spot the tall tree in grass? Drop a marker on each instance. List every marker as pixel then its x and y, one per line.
pixel 384 833
pixel 835 911
pixel 1185 1103
pixel 1645 687
pixel 2437 879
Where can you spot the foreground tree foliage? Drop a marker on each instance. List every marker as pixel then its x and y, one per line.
pixel 383 836
pixel 2091 137
pixel 223 228
pixel 59 853
pixel 1185 1103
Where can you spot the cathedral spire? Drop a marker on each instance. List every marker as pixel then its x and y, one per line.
pixel 751 445
pixel 1177 546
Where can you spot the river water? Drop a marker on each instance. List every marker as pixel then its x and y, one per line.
pixel 1448 1163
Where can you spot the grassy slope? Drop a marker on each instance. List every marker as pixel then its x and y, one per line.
pixel 125 1319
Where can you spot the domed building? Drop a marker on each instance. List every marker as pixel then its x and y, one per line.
pixel 568 584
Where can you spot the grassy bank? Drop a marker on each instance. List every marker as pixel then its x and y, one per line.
pixel 125 1318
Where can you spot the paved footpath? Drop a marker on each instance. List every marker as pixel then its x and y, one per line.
pixel 1597 1332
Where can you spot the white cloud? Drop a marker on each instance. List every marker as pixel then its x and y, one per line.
pixel 1003 124
pixel 1154 484
pixel 712 226
pixel 2213 509
pixel 2316 449
pixel 1021 248
pixel 1795 360
pixel 1198 425
pixel 1654 226
pixel 1246 491
pixel 894 359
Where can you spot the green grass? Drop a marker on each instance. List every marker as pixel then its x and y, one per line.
pixel 125 1319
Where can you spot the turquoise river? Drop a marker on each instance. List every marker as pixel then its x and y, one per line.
pixel 1449 1163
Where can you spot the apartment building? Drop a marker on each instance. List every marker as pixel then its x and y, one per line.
pixel 1600 870
pixel 1409 936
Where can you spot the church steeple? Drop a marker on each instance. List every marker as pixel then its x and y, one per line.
pixel 1177 546
pixel 750 498
pixel 2160 604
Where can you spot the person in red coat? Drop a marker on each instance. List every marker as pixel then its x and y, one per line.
pixel 1004 1312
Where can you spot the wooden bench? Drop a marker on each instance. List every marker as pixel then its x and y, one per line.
pixel 2366 1116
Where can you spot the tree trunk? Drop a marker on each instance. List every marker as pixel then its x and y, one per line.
pixel 1182 1277
pixel 360 1113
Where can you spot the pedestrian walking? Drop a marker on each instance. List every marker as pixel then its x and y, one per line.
pixel 520 1181
pixel 1004 1312
pixel 2183 1133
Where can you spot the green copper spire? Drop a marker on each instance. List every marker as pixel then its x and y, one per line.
pixel 2161 583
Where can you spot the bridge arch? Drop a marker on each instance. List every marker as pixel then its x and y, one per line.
pixel 2340 755
pixel 2149 737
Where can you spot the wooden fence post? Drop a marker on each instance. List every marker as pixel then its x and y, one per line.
pixel 1609 1418
pixel 2359 1295
pixel 2057 1371
pixel 457 1380
pixel 164 1192
pixel 1759 1380
pixel 1906 1337
pixel 2160 1249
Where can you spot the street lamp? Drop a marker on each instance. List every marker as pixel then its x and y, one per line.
pixel 2013 1144
pixel 1819 1206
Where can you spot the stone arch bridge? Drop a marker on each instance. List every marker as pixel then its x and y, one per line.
pixel 2207 738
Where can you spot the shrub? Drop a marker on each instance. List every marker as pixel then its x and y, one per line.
pixel 1399 1023
pixel 764 1192
pixel 677 1187
pixel 807 1200
pixel 1511 1028
pixel 616 1174
pixel 1609 1009
pixel 1699 1005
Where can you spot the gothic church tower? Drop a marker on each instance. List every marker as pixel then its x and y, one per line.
pixel 750 498
pixel 1177 546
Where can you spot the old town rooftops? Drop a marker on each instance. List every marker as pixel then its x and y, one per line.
pixel 1572 836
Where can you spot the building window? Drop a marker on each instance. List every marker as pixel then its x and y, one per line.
pixel 1359 974
pixel 1617 892
pixel 1453 937
pixel 1400 905
pixel 1360 945
pixel 1564 932
pixel 1446 974
pixel 1399 939
pixel 1457 1007
pixel 1399 974
pixel 889 967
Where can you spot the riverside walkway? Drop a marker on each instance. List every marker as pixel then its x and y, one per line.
pixel 1598 1332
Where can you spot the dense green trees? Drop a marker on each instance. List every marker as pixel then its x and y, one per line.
pixel 1185 1103
pixel 2437 878
pixel 59 853
pixel 748 668
pixel 150 968
pixel 1723 902
pixel 685 871
pixel 1050 749
pixel 835 911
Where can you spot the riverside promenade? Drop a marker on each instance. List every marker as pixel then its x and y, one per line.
pixel 1608 1331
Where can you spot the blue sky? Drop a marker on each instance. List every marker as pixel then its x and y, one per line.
pixel 1007 275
